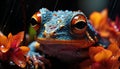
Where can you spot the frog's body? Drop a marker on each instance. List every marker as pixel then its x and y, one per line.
pixel 64 34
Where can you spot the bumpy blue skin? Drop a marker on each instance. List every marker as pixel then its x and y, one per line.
pixel 62 18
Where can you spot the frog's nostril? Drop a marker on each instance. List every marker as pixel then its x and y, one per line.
pixel 48 35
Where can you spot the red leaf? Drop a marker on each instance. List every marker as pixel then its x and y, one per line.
pixel 17 39
pixel 19 59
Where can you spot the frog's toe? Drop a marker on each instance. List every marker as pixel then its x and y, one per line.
pixel 36 60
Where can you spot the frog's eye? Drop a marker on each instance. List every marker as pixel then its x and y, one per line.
pixel 79 24
pixel 36 20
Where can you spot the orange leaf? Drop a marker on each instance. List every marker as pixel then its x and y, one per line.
pixel 94 50
pixel 24 49
pixel 3 38
pixel 102 55
pixel 5 48
pixel 96 18
pixel 10 36
pixel 4 43
pixel 113 47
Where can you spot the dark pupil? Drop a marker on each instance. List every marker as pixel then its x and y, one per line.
pixel 80 25
pixel 33 21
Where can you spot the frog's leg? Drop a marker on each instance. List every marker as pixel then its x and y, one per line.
pixel 36 58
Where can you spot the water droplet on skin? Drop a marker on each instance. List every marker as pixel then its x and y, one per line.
pixel 2 46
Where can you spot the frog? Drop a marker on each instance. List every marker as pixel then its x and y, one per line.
pixel 65 35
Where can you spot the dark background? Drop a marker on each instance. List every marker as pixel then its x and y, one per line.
pixel 15 14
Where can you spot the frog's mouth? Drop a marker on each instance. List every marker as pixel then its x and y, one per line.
pixel 77 43
pixel 80 43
